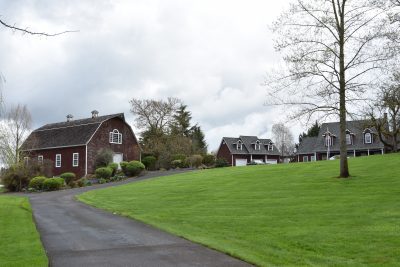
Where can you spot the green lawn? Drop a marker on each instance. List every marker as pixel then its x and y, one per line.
pixel 296 214
pixel 20 244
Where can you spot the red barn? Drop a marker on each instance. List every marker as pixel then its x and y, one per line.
pixel 72 145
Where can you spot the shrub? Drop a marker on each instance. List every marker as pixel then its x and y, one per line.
pixel 37 182
pixel 52 184
pixel 176 163
pixel 103 158
pixel 68 177
pixel 114 167
pixel 221 162
pixel 195 161
pixel 84 182
pixel 209 160
pixel 134 168
pixel 149 162
pixel 123 165
pixel 102 181
pixel 16 178
pixel 103 172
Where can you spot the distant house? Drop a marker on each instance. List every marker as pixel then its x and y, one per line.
pixel 72 145
pixel 361 140
pixel 246 149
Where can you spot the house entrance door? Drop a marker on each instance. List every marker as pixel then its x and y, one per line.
pixel 118 158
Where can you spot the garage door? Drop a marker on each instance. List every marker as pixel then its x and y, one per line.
pixel 272 161
pixel 241 162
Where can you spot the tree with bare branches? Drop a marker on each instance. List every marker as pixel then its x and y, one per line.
pixel 14 129
pixel 26 30
pixel 384 113
pixel 332 50
pixel 283 139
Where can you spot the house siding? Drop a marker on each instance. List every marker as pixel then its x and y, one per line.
pixel 129 147
pixel 66 159
pixel 224 153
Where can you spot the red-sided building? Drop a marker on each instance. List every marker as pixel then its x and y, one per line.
pixel 248 149
pixel 73 145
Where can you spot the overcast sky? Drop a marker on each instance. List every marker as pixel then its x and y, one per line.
pixel 212 54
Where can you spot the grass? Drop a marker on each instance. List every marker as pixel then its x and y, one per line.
pixel 20 244
pixel 291 215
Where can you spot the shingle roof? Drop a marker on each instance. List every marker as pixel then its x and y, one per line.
pixel 356 128
pixel 64 134
pixel 249 145
pixel 307 145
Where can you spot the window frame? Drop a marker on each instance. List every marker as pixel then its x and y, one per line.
pixel 40 159
pixel 239 145
pixel 349 139
pixel 257 145
pixel 305 158
pixel 328 141
pixel 115 137
pixel 370 138
pixel 26 160
pixel 75 159
pixel 58 160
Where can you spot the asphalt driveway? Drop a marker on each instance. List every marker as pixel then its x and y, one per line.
pixel 75 234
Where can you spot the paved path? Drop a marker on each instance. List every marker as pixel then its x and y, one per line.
pixel 75 234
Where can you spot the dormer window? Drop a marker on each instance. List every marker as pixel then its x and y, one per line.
pixel 239 145
pixel 368 138
pixel 257 145
pixel 115 137
pixel 349 137
pixel 328 140
pixel 270 146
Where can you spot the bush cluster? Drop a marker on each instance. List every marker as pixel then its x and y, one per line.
pixel 132 168
pixel 149 162
pixel 103 173
pixel 68 177
pixel 52 184
pixel 195 161
pixel 37 182
pixel 114 167
pixel 221 162
pixel 209 160
pixel 103 158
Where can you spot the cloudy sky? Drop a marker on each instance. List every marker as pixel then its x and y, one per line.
pixel 212 54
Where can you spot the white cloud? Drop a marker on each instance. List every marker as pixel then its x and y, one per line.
pixel 211 54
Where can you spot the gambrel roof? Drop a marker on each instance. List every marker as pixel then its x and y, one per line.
pixel 249 145
pixel 66 134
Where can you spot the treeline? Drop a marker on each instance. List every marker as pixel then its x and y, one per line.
pixel 169 138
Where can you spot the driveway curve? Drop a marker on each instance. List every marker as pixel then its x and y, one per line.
pixel 75 234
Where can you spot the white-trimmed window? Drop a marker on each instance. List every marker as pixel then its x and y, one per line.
pixel 75 159
pixel 348 139
pixel 26 160
pixel 305 158
pixel 328 140
pixel 368 138
pixel 40 159
pixel 313 158
pixel 257 145
pixel 115 137
pixel 239 145
pixel 58 160
pixel 270 146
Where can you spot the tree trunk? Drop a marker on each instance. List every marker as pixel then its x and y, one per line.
pixel 344 168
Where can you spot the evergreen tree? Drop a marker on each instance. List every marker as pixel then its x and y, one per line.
pixel 199 144
pixel 181 122
pixel 313 131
